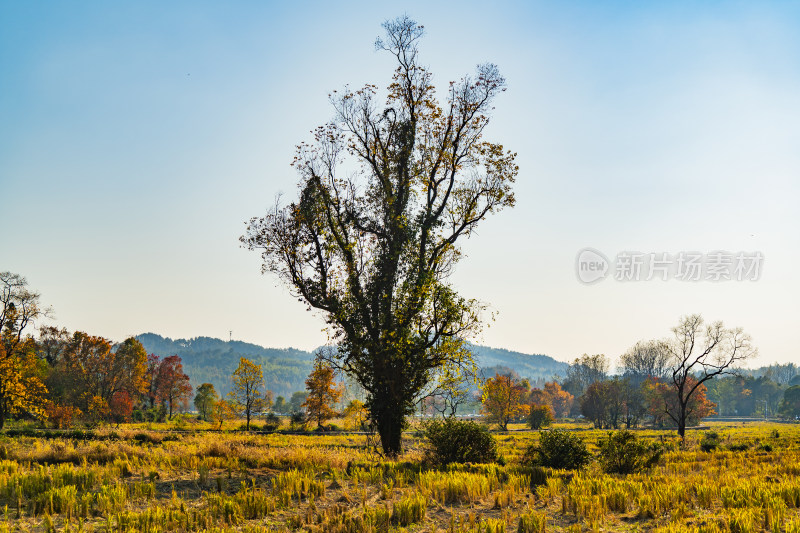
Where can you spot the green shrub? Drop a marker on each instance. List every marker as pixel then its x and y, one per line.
pixel 558 448
pixel 155 414
pixel 272 422
pixel 328 427
pixel 456 441
pixel 710 441
pixel 622 453
pixel 297 420
pixel 540 416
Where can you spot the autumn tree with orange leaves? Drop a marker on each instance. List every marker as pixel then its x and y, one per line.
pixel 323 393
pixel 94 373
pixel 22 387
pixel 553 396
pixel 560 400
pixel 663 406
pixel 169 383
pixel 504 400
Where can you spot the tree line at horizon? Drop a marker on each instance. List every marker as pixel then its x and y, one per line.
pixel 62 377
pixel 672 383
pixel 669 383
pixel 632 399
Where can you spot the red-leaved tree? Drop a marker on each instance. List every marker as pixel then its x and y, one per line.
pixel 121 407
pixel 664 407
pixel 169 384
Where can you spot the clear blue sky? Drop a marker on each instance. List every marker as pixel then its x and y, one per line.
pixel 136 139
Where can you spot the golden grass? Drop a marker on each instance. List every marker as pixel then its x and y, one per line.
pixel 140 480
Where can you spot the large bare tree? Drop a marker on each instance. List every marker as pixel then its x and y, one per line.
pixel 700 352
pixel 19 309
pixel 386 191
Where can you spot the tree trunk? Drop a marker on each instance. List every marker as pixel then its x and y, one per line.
pixel 682 421
pixel 390 428
pixel 390 419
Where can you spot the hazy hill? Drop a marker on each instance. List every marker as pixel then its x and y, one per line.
pixel 532 366
pixel 208 360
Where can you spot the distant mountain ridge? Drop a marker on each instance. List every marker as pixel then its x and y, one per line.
pixel 210 360
pixel 532 366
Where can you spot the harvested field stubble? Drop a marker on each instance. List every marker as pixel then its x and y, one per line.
pixel 151 482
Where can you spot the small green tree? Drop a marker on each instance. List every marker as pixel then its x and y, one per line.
pixel 296 402
pixel 248 394
pixel 540 416
pixel 790 405
pixel 280 406
pixel 205 399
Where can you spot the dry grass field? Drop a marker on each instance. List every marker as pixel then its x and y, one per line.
pixel 137 479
